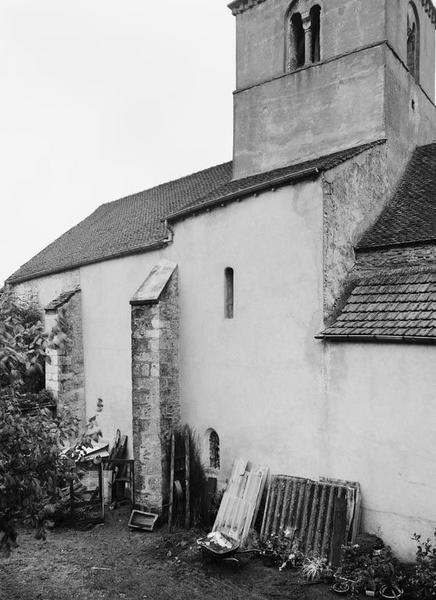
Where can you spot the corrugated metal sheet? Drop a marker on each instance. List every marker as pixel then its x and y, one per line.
pixel 306 511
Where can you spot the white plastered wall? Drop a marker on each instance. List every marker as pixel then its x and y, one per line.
pixel 272 392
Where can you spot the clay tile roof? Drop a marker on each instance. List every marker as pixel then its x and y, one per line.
pixel 397 306
pixel 410 217
pixel 122 227
pixel 237 188
pixel 135 224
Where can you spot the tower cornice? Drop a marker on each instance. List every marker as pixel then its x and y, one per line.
pixel 430 9
pixel 239 6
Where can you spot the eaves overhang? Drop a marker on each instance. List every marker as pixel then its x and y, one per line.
pixel 377 338
pixel 251 190
pixel 47 272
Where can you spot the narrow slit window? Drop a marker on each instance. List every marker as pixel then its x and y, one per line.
pixel 297 30
pixel 229 293
pixel 315 21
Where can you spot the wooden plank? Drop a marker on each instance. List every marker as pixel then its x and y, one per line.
pixel 232 490
pixel 222 513
pixel 357 515
pixel 305 511
pixel 328 526
pixel 286 501
pixel 299 512
pixel 290 518
pixel 278 507
pixel 265 512
pixel 320 521
pixel 312 509
pixel 263 471
pixel 171 498
pixel 271 506
pixel 339 526
pixel 353 505
pixel 187 481
pixel 100 489
pixel 258 478
pixel 238 471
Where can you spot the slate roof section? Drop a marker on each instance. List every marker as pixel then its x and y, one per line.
pixel 62 299
pixel 126 226
pixel 237 188
pixel 410 217
pixel 389 307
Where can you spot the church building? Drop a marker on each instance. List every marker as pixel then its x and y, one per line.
pixel 284 303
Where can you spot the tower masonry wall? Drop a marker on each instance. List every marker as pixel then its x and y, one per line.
pixel 396 28
pixel 410 114
pixel 355 193
pixel 346 25
pixel 311 112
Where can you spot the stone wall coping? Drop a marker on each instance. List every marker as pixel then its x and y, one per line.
pixel 151 289
pixel 62 299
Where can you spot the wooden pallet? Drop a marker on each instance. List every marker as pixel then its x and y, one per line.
pixel 240 504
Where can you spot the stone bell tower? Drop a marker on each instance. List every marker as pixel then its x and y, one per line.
pixel 318 76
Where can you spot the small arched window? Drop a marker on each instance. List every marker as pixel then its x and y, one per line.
pixel 413 41
pixel 214 450
pixel 229 293
pixel 303 35
pixel 212 459
pixel 315 26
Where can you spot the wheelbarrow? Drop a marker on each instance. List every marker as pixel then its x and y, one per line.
pixel 221 547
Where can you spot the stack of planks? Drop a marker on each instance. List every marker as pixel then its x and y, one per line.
pixel 240 504
pixel 319 516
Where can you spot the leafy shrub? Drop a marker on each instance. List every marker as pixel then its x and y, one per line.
pixel 22 345
pixel 33 465
pixel 424 578
pixel 282 548
pixel 371 569
pixel 314 567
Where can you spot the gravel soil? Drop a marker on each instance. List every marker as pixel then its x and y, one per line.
pixel 110 562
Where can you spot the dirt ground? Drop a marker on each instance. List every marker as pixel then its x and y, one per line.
pixel 111 562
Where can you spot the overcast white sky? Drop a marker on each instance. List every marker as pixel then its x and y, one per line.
pixel 103 98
